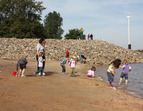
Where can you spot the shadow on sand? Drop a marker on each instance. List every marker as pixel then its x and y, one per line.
pixel 49 73
pixel 46 74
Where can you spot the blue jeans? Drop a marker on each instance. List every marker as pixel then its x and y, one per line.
pixel 63 69
pixel 40 70
pixel 80 59
pixel 110 77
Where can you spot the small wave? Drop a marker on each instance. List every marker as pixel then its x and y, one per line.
pixel 135 94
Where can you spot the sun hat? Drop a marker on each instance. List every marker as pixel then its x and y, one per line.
pixel 74 57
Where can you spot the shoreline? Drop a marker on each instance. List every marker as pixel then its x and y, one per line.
pixel 60 92
pixel 134 92
pixel 126 91
pixel 130 92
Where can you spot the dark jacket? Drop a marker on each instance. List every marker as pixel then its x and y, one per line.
pixel 22 61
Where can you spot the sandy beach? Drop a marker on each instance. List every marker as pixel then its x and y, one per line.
pixel 58 92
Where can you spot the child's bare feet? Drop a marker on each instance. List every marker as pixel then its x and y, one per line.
pixel 34 74
pixel 119 84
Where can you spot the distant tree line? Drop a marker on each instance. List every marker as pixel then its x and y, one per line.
pixel 74 34
pixel 21 19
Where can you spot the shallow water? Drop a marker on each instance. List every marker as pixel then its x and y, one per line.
pixel 135 81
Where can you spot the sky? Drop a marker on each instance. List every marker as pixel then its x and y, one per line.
pixel 105 19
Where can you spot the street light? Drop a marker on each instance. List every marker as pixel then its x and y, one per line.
pixel 129 41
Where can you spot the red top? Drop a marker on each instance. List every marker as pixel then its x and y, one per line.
pixel 67 52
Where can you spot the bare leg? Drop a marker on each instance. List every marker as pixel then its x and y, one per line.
pixel 126 83
pixel 120 81
pixel 20 72
pixel 23 71
pixel 73 72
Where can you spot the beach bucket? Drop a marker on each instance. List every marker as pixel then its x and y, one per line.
pixel 14 73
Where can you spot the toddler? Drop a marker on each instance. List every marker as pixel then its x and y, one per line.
pixel 72 64
pixel 40 64
pixel 91 73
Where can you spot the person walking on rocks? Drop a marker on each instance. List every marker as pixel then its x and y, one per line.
pixel 67 53
pixel 63 63
pixel 40 64
pixel 41 48
pixel 22 62
pixel 111 72
pixel 126 68
pixel 88 36
pixel 72 64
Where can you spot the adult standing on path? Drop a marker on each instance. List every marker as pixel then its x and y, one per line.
pixel 88 36
pixel 91 36
pixel 41 48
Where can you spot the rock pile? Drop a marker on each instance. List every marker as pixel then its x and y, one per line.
pixel 97 52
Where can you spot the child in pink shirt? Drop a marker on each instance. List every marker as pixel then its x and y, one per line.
pixel 91 73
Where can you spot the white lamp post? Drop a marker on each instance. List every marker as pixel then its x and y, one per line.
pixel 129 41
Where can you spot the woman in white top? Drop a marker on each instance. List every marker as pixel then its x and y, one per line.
pixel 41 48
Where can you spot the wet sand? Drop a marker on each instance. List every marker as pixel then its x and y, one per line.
pixel 58 92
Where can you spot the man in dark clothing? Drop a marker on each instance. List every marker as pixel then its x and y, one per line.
pixel 91 36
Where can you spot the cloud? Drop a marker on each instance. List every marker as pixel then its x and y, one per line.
pixel 104 18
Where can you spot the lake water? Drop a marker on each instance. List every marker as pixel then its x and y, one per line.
pixel 135 80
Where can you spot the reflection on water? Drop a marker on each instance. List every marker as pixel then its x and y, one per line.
pixel 135 81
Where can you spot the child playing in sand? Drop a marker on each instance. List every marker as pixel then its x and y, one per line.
pixel 111 72
pixel 40 64
pixel 72 64
pixel 63 63
pixel 126 68
pixel 22 62
pixel 91 73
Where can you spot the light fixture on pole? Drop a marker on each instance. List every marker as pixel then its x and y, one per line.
pixel 129 40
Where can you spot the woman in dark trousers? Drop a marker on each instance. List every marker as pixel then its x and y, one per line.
pixel 41 48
